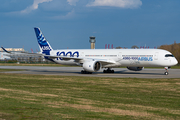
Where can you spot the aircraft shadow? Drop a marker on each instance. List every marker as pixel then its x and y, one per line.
pixel 125 72
pixel 136 72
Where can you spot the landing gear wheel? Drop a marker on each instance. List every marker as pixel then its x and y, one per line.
pixel 85 72
pixel 108 71
pixel 82 71
pixel 166 68
pixel 166 73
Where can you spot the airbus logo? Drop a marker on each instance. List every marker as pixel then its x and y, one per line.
pixel 45 48
pixel 145 59
pixel 69 54
pixel 138 58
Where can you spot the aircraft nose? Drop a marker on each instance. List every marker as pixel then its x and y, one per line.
pixel 175 61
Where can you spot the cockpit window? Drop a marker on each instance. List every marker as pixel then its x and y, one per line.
pixel 169 55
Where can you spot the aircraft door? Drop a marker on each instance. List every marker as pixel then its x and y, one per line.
pixel 82 54
pixel 156 56
pixel 120 55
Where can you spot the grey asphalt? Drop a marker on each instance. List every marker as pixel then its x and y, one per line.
pixel 76 71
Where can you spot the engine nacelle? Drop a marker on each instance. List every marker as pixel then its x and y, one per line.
pixel 135 68
pixel 92 66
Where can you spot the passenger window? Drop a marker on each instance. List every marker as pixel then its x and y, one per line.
pixel 169 55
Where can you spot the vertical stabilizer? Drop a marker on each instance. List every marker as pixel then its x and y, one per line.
pixel 44 45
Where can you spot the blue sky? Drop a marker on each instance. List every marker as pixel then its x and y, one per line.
pixel 70 23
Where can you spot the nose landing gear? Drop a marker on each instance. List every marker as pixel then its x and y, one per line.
pixel 166 72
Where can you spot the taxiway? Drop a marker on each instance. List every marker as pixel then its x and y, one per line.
pixel 75 71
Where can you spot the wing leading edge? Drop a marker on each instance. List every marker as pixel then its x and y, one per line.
pixel 103 61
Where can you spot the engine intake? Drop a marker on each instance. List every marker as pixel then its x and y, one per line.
pixel 92 66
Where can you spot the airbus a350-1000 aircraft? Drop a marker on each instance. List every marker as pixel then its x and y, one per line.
pixel 92 60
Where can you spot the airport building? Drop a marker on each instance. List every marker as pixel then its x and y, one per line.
pixel 19 56
pixel 6 56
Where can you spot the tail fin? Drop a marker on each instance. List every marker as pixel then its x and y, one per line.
pixel 44 45
pixel 5 50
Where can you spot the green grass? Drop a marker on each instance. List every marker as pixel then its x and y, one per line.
pixel 46 97
pixel 6 70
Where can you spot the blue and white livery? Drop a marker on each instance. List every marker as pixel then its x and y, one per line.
pixel 92 60
pixel 44 46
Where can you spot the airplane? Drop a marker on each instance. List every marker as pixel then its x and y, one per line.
pixel 92 60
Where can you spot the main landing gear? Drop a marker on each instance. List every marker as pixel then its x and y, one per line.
pixel 85 72
pixel 108 71
pixel 166 72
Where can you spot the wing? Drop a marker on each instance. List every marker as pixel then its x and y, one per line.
pixel 103 61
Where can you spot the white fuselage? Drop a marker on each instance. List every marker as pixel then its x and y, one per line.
pixel 118 57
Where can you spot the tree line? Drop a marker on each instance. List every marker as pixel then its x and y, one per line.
pixel 174 49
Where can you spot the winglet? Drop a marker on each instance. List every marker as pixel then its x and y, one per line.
pixel 5 50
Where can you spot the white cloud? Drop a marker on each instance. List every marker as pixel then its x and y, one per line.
pixel 117 3
pixel 34 6
pixel 69 15
pixel 72 2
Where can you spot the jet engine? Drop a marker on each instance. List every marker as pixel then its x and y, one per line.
pixel 92 66
pixel 135 68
